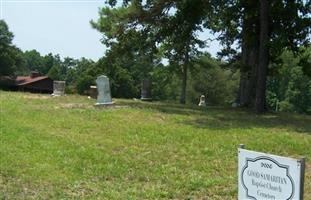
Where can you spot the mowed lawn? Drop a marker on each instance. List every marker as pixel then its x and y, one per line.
pixel 64 148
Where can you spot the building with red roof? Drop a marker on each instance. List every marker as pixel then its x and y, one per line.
pixel 34 83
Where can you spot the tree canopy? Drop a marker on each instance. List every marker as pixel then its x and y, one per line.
pixel 10 56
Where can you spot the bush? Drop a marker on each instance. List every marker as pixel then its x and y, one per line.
pixel 84 83
pixel 285 106
pixel 165 85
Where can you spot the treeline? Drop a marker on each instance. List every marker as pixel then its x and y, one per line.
pixel 253 33
pixel 264 64
pixel 125 72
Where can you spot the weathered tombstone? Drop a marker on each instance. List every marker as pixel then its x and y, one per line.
pixel 234 105
pixel 58 88
pixel 146 90
pixel 93 91
pixel 202 101
pixel 103 88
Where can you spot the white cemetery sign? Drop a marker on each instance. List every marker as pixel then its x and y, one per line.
pixel 269 177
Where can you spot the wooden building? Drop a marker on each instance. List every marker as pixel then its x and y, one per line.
pixel 34 83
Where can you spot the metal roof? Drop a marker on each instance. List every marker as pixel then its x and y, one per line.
pixel 24 80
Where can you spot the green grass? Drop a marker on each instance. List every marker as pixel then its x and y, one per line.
pixel 64 148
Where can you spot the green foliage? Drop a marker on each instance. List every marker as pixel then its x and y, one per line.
pixel 132 49
pixel 54 73
pixel 77 71
pixel 45 65
pixel 10 57
pixel 291 87
pixel 239 22
pixel 6 36
pixel 165 84
pixel 123 81
pixel 141 28
pixel 84 82
pixel 34 61
pixel 48 62
pixel 219 85
pixel 140 34
pixel 305 59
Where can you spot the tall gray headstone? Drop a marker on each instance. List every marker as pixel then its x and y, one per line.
pixel 146 90
pixel 103 88
pixel 58 88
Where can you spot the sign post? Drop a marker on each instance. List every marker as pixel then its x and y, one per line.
pixel 269 177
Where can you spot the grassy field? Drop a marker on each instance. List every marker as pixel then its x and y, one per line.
pixel 64 148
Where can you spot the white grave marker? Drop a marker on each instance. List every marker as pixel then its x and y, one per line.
pixel 269 177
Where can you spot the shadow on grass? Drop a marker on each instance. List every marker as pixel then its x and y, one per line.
pixel 248 120
pixel 221 118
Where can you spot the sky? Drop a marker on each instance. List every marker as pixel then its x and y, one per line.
pixel 61 27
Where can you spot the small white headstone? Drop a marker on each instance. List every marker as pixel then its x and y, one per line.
pixel 202 101
pixel 234 105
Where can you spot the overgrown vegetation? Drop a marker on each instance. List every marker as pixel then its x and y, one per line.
pixel 64 148
pixel 289 89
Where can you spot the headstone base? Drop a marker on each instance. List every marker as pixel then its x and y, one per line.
pixel 99 105
pixel 146 99
pixel 57 95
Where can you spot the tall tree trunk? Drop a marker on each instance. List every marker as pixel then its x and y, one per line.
pixel 184 84
pixel 263 57
pixel 250 46
pixel 243 70
pixel 253 62
pixel 247 87
pixel 184 78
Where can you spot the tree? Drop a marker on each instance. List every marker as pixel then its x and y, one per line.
pixel 263 57
pixel 34 61
pixel 48 62
pixel 181 41
pixel 54 73
pixel 10 57
pixel 148 26
pixel 210 78
pixel 131 53
pixel 289 89
pixel 288 24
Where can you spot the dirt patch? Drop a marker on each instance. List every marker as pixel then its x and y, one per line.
pixel 112 106
pixel 36 97
pixel 74 106
pixel 87 106
pixel 159 118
